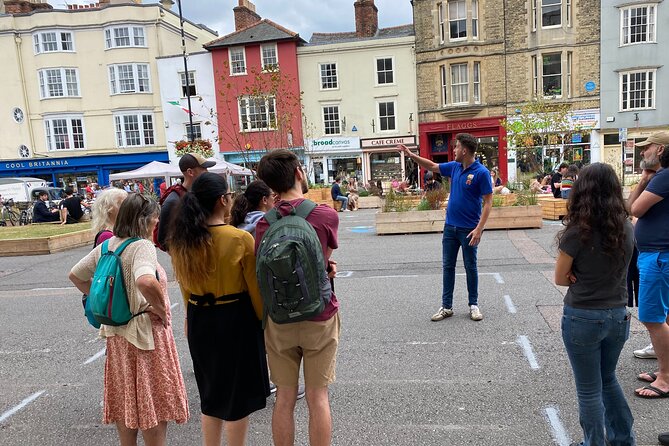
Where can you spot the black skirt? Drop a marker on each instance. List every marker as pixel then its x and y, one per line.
pixel 227 346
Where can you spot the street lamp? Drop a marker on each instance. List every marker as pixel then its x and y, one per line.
pixel 185 56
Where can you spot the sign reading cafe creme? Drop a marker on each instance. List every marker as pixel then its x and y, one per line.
pixel 388 142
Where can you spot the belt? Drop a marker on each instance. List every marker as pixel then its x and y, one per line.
pixel 209 299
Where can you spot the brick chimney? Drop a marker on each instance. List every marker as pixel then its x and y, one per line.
pixel 245 14
pixel 23 6
pixel 366 18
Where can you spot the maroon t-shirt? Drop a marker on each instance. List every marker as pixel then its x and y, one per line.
pixel 325 221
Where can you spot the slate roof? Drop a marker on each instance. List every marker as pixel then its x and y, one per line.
pixel 259 32
pixel 384 33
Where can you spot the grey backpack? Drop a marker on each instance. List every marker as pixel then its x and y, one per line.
pixel 290 267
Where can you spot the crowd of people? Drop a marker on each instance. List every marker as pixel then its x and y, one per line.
pixel 213 242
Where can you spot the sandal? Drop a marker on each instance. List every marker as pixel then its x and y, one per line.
pixel 645 375
pixel 658 393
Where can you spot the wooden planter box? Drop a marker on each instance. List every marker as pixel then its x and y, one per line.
pixel 370 202
pixel 412 222
pixel 553 208
pixel 45 245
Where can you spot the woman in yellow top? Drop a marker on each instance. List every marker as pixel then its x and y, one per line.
pixel 215 265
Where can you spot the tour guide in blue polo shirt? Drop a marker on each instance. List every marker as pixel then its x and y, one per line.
pixel 465 219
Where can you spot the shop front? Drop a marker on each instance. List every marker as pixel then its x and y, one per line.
pixel 77 171
pixel 332 157
pixel 437 140
pixel 383 162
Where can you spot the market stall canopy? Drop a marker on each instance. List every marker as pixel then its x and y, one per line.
pixel 152 170
pixel 223 166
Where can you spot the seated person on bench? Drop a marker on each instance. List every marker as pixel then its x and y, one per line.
pixel 41 213
pixel 70 208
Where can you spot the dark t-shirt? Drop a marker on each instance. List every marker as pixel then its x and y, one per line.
pixel 73 206
pixel 652 230
pixel 325 221
pixel 556 178
pixel 166 211
pixel 335 191
pixel 601 280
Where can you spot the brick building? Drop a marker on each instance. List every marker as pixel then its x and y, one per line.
pixel 479 60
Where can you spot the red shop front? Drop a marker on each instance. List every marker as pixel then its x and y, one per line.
pixel 437 140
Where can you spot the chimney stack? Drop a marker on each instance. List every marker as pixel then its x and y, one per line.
pixel 23 6
pixel 366 18
pixel 245 14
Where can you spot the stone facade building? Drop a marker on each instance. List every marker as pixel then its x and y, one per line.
pixel 478 61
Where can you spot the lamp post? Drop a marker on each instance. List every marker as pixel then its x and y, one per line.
pixel 185 56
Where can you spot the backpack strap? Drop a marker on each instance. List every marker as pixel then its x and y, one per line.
pixel 304 209
pixel 272 216
pixel 123 245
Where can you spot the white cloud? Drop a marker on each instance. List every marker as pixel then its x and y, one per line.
pixel 302 16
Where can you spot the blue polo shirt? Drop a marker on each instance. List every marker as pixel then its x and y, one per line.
pixel 468 187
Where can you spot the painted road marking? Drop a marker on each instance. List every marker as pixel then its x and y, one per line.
pixel 361 229
pixel 524 343
pixel 559 433
pixel 498 277
pixel 174 305
pixel 20 406
pixel 95 356
pixel 509 304
pixel 426 343
pixel 65 288
pixel 393 277
pixel 341 274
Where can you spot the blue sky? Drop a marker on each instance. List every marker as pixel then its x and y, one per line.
pixel 302 16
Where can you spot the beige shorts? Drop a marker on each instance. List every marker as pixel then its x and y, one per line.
pixel 314 342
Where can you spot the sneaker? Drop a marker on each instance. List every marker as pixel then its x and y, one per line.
pixel 443 313
pixel 300 392
pixel 648 352
pixel 475 313
pixel 272 387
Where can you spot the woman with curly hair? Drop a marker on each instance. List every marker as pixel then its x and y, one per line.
pixel 595 248
pixel 215 265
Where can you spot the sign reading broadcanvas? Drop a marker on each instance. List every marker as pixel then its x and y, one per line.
pixel 334 144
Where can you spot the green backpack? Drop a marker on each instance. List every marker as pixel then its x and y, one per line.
pixel 290 267
pixel 108 298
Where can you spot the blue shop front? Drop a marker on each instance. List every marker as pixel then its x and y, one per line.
pixel 78 170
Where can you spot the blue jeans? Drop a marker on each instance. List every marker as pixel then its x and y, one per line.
pixel 452 240
pixel 593 340
pixel 344 201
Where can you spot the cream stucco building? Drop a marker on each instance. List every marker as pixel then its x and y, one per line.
pixel 359 99
pixel 82 97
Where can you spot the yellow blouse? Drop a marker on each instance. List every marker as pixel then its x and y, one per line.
pixel 232 269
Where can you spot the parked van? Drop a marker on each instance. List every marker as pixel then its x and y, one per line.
pixel 20 189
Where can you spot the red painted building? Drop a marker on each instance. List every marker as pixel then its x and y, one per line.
pixel 437 140
pixel 257 86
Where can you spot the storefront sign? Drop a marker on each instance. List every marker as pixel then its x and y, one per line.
pixel 334 144
pixel 33 164
pixel 388 142
pixel 585 119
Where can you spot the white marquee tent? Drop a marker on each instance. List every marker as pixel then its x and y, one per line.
pixel 157 169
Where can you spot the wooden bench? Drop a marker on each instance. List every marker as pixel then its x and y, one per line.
pixel 336 205
pixel 553 208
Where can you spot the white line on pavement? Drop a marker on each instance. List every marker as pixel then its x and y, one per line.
pixel 559 433
pixel 20 406
pixel 174 305
pixel 341 274
pixel 54 289
pixel 95 356
pixel 498 277
pixel 509 304
pixel 392 277
pixel 426 343
pixel 524 342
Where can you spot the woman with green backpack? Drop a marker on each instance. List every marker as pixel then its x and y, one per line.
pixel 143 385
pixel 214 263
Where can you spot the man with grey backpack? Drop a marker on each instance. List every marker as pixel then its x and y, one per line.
pixel 294 242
